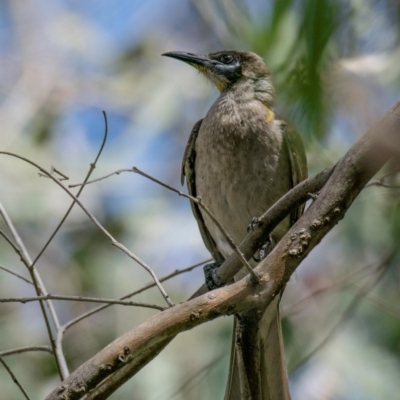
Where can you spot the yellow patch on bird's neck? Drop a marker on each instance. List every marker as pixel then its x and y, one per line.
pixel 270 114
pixel 219 81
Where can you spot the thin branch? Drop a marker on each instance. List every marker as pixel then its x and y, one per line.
pixel 53 171
pixel 195 379
pixel 37 282
pixel 8 240
pixel 39 286
pixel 381 181
pixel 80 298
pixel 233 245
pixel 196 200
pixel 363 291
pixel 383 305
pixel 119 171
pixel 25 349
pixel 268 222
pixel 142 289
pixel 14 273
pixel 382 184
pixel 394 172
pixel 114 242
pixel 341 284
pixel 56 171
pixel 57 347
pixel 89 173
pixel 14 378
pixel 266 216
pixel 69 324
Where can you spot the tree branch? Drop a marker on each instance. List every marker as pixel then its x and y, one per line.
pixel 346 281
pixel 80 298
pixel 113 241
pixel 26 349
pixel 15 274
pixel 196 200
pixel 142 289
pixel 362 292
pixel 267 223
pixel 14 378
pixel 40 289
pixel 143 342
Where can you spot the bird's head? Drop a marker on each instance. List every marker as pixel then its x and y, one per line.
pixel 227 68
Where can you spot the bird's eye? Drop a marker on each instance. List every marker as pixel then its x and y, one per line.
pixel 226 58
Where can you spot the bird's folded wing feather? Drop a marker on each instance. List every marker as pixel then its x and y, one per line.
pixel 188 171
pixel 298 162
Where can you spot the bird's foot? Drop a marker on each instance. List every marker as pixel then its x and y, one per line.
pixel 313 196
pixel 265 250
pixel 211 277
pixel 252 225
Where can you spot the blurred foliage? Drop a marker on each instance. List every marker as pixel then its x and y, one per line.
pixel 335 68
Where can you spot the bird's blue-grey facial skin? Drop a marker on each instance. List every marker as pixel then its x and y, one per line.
pixel 231 69
pixel 221 68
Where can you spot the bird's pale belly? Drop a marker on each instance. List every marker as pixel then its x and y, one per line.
pixel 236 188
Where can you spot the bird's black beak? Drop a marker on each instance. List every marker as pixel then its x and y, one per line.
pixel 196 60
pixel 217 72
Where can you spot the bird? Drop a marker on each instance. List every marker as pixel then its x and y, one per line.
pixel 240 159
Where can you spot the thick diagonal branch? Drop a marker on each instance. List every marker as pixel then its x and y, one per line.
pixel 143 342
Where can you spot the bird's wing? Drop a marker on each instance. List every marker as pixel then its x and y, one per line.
pixel 298 162
pixel 188 171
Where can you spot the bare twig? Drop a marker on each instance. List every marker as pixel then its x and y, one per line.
pixel 195 378
pixel 383 184
pixel 383 178
pixel 382 304
pixel 381 181
pixel 57 346
pixel 142 289
pixel 268 222
pixel 40 289
pixel 232 244
pixel 80 298
pixel 270 219
pixel 36 280
pixel 119 171
pixel 15 274
pixel 69 324
pixel 341 284
pixel 14 378
pixel 196 200
pixel 362 292
pixel 91 169
pixel 63 176
pixel 114 242
pixel 53 171
pixel 25 349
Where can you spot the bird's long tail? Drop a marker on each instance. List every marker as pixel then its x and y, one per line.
pixel 257 366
